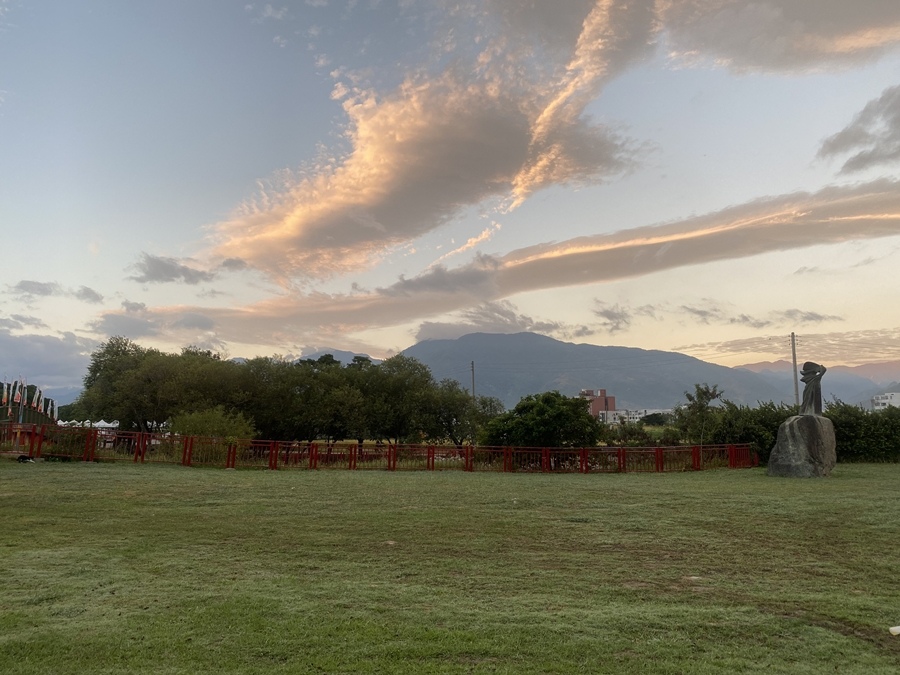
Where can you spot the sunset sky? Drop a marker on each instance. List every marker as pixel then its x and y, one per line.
pixel 703 176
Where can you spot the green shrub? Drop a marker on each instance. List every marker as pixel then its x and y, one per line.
pixel 213 422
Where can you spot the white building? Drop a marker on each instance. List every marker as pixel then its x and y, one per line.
pixel 882 401
pixel 616 416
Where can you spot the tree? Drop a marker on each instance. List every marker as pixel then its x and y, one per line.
pixel 630 433
pixel 548 420
pixel 452 414
pixel 658 419
pixel 395 392
pixel 697 417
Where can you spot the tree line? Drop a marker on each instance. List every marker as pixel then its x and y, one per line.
pixel 199 392
pixel 398 400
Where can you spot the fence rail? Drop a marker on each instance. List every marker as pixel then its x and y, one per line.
pixel 52 442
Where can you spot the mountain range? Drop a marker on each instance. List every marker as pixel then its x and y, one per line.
pixel 510 366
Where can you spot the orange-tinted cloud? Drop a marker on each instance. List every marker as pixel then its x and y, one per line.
pixel 830 216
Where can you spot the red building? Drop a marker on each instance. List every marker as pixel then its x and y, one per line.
pixel 600 404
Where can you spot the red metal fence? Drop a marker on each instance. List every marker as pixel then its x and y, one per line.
pixel 52 442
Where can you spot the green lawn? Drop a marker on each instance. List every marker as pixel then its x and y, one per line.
pixel 162 569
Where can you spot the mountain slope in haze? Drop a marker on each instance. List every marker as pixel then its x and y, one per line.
pixel 512 366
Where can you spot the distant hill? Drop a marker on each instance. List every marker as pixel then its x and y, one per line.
pixel 62 395
pixel 511 366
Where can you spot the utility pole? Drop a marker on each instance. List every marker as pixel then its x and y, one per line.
pixel 473 380
pixel 794 357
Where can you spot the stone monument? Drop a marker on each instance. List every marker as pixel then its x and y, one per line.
pixel 805 447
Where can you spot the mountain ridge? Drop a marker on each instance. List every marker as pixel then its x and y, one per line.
pixel 509 366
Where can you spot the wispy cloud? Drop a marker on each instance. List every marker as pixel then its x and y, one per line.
pixel 28 291
pixel 491 317
pixel 873 137
pixel 613 318
pixel 847 347
pixel 832 215
pixel 488 126
pixel 151 269
pixel 472 242
pixel 88 295
pixel 779 35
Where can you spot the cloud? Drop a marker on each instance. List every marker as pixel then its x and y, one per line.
pixel 128 325
pixel 779 35
pixel 491 317
pixel 472 242
pixel 159 269
pixel 497 112
pixel 865 346
pixel 614 318
pixel 233 264
pixel 29 321
pixel 873 136
pixel 194 321
pixel 805 317
pixel 829 216
pixel 29 290
pixel 710 312
pixel 51 361
pixel 492 125
pixel 32 289
pixel 88 295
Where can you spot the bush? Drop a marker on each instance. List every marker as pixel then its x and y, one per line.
pixel 213 422
pixel 865 436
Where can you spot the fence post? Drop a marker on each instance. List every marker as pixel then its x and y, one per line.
pixel 89 443
pixel 731 457
pixel 273 455
pixel 469 463
pixel 623 464
pixel 31 441
pixel 695 458
pixel 351 456
pixel 429 463
pixel 545 460
pixel 186 443
pixel 660 460
pixel 40 441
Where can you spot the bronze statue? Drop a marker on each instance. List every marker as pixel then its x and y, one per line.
pixel 812 393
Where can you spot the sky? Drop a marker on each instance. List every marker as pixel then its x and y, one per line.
pixel 701 176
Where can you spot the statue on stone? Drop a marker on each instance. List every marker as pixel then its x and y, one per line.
pixel 812 392
pixel 805 446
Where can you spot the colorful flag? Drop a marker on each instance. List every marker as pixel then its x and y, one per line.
pixel 17 392
pixel 5 398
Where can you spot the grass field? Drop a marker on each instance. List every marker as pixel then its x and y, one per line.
pixel 162 569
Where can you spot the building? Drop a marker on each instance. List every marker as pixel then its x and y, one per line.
pixel 882 401
pixel 636 415
pixel 601 405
